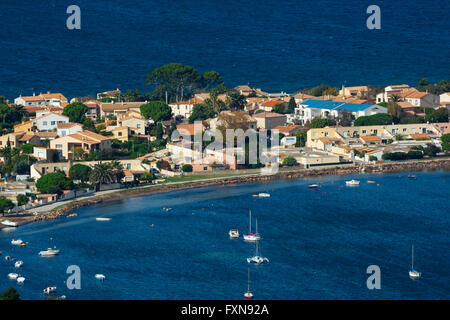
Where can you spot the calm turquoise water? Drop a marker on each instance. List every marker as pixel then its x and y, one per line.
pixel 319 243
pixel 275 45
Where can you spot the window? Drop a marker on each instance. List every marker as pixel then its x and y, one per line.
pixel 128 166
pixel 205 168
pixel 44 123
pixel 375 131
pixel 364 131
pixel 52 123
pixel 58 146
pixel 63 133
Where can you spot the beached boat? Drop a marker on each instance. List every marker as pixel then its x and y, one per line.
pixel 17 242
pixel 20 280
pixel 352 183
pixel 49 252
pixel 102 219
pixel 100 276
pixel 248 294
pixel 257 258
pixel 234 234
pixel 13 276
pixel 252 236
pixel 413 274
pixel 72 215
pixel 18 264
pixel 313 186
pixel 49 290
pixel 9 223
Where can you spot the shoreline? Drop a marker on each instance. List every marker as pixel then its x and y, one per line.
pixel 406 166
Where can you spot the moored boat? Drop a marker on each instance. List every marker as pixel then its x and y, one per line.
pixel 248 294
pixel 49 252
pixel 49 290
pixel 234 234
pixel 352 183
pixel 252 236
pixel 413 274
pixel 264 195
pixel 102 219
pixel 17 242
pixel 72 215
pixel 20 280
pixel 100 276
pixel 18 264
pixel 313 186
pixel 13 276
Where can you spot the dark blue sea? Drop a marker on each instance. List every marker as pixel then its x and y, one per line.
pixel 319 243
pixel 275 45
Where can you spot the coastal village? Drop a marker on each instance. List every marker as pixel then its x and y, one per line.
pixel 54 149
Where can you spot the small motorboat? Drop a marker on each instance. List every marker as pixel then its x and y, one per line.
pixel 102 219
pixel 49 290
pixel 49 252
pixel 411 176
pixel 352 183
pixel 72 215
pixel 255 195
pixel 13 276
pixel 9 223
pixel 313 186
pixel 20 280
pixel 100 276
pixel 370 181
pixel 18 264
pixel 17 242
pixel 7 258
pixel 264 195
pixel 234 234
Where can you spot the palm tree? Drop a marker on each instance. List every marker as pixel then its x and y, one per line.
pixel 101 174
pixel 117 170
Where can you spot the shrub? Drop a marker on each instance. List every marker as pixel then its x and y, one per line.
pixel 186 168
pixel 290 161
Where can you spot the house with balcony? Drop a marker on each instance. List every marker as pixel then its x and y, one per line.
pixel 86 140
pixel 49 122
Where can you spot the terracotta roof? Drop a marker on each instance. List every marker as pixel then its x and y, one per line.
pixel 420 136
pixel 26 137
pixel 272 103
pixel 32 98
pixel 190 101
pixel 189 128
pixel 131 117
pixel 68 125
pixel 93 135
pixel 287 129
pixel 59 96
pixel 371 138
pixel 405 105
pixel 268 115
pixel 21 124
pixel 47 134
pixel 120 106
pixel 50 113
pixel 325 140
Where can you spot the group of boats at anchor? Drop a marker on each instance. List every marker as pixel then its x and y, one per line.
pixel 257 258
pixel 50 252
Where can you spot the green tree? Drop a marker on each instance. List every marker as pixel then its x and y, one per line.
pixel 5 205
pixel 156 110
pixel 80 172
pixel 394 109
pixel 201 112
pixel 78 153
pixel 186 168
pixel 376 119
pixel 438 115
pixel 22 166
pixel 54 182
pixel 158 131
pixel 101 174
pixel 301 137
pixel 291 106
pixel 321 123
pixel 211 79
pixel 27 148
pixel 117 170
pixel 174 78
pixel 290 161
pixel 10 294
pixel 446 142
pixel 235 101
pixel 4 111
pixel 76 111
pixel 22 199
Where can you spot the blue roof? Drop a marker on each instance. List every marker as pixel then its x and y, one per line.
pixel 335 105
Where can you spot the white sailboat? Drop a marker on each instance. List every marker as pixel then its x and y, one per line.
pixel 413 274
pixel 248 294
pixel 257 259
pixel 252 236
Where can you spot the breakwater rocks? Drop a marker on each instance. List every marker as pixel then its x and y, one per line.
pixel 291 173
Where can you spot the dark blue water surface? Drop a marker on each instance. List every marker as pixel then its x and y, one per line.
pixel 319 242
pixel 275 45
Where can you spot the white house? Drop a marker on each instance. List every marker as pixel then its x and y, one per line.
pixel 65 129
pixel 311 109
pixel 49 121
pixel 184 108
pixel 419 99
pixel 30 101
pixel 43 99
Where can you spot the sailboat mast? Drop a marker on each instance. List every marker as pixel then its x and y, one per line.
pixel 250 222
pixel 248 288
pixel 412 258
pixel 256 232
